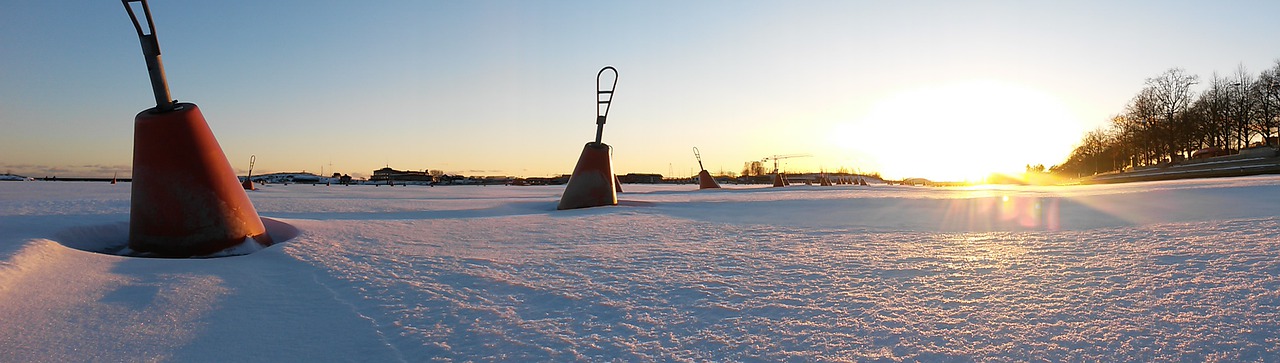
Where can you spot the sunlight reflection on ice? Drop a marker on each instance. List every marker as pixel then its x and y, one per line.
pixel 1002 212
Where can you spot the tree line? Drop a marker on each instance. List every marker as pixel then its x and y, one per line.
pixel 1168 121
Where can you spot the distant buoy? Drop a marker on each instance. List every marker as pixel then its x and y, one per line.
pixel 248 183
pixel 778 180
pixel 705 181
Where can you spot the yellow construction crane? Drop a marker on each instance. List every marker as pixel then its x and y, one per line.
pixel 775 159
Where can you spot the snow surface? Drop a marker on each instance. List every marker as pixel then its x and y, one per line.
pixel 1163 271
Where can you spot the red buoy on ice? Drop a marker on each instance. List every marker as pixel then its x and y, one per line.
pixel 248 178
pixel 705 181
pixel 186 200
pixel 593 182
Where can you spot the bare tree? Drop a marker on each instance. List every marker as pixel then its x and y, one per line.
pixel 1218 110
pixel 1268 93
pixel 1170 96
pixel 1199 123
pixel 1142 116
pixel 752 168
pixel 1242 109
pixel 1167 120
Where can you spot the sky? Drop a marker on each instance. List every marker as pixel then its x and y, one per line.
pixel 936 89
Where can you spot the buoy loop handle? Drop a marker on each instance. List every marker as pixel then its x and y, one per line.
pixel 252 159
pixel 604 97
pixel 698 156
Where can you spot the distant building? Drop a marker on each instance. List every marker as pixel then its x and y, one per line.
pixel 496 180
pixel 285 178
pixel 562 179
pixel 388 174
pixel 637 178
pixel 7 176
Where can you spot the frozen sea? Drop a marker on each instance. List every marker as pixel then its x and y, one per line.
pixel 1162 271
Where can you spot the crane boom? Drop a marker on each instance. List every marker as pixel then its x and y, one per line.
pixel 775 159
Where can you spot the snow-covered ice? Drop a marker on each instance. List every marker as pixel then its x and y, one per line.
pixel 1163 271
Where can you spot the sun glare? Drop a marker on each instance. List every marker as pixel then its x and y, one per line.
pixel 962 131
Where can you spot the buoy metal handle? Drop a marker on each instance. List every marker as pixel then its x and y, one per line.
pixel 698 155
pixel 603 98
pixel 151 51
pixel 252 158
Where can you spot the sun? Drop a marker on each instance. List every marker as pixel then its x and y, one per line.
pixel 962 131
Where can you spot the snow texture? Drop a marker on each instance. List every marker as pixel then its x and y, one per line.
pixel 1163 271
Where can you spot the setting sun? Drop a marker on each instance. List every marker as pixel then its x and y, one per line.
pixel 962 131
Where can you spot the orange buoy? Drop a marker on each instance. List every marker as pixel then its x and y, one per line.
pixel 186 199
pixel 593 183
pixel 705 181
pixel 248 183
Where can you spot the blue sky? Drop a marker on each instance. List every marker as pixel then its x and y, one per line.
pixel 908 89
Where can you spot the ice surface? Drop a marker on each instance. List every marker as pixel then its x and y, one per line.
pixel 1179 270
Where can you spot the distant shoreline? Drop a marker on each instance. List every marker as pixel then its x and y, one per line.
pixel 1238 165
